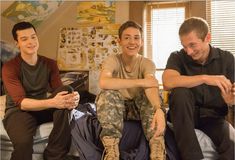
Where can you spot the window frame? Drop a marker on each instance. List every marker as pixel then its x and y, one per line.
pixel 148 24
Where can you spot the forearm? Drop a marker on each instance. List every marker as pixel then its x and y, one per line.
pixel 29 104
pixel 153 97
pixel 117 83
pixel 183 81
pixel 159 121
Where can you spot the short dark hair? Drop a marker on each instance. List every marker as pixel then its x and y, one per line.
pixel 197 24
pixel 129 24
pixel 21 26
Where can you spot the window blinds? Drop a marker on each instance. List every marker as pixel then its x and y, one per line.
pixel 221 18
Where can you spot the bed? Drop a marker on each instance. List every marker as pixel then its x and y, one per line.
pixel 43 131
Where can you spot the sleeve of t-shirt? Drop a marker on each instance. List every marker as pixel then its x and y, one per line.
pixel 110 63
pixel 174 62
pixel 55 80
pixel 148 67
pixel 12 83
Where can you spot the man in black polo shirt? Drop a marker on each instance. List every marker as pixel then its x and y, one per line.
pixel 201 80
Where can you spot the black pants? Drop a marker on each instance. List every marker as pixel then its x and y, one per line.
pixel 185 118
pixel 21 127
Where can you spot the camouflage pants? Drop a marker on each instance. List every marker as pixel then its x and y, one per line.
pixel 112 110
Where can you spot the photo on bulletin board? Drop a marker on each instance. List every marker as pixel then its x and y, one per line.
pixel 79 80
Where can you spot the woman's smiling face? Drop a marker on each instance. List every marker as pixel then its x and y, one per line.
pixel 131 41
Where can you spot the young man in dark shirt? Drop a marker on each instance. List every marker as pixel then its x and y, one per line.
pixel 201 80
pixel 27 79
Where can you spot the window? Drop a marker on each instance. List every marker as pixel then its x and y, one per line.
pixel 221 18
pixel 161 27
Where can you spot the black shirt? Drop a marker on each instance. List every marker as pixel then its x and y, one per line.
pixel 219 62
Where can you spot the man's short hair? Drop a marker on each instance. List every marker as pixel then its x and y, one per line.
pixel 129 24
pixel 197 24
pixel 21 26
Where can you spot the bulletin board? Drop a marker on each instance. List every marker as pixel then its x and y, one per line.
pixel 85 48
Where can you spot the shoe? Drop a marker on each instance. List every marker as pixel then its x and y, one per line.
pixel 157 148
pixel 111 148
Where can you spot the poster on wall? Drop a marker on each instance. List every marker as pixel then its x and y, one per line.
pixel 96 12
pixel 31 11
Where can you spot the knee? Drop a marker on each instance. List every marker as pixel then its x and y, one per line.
pixel 180 94
pixel 109 101
pixel 109 96
pixel 180 91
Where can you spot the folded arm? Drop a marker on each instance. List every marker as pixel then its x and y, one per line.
pixel 172 79
pixel 106 81
pixel 63 100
